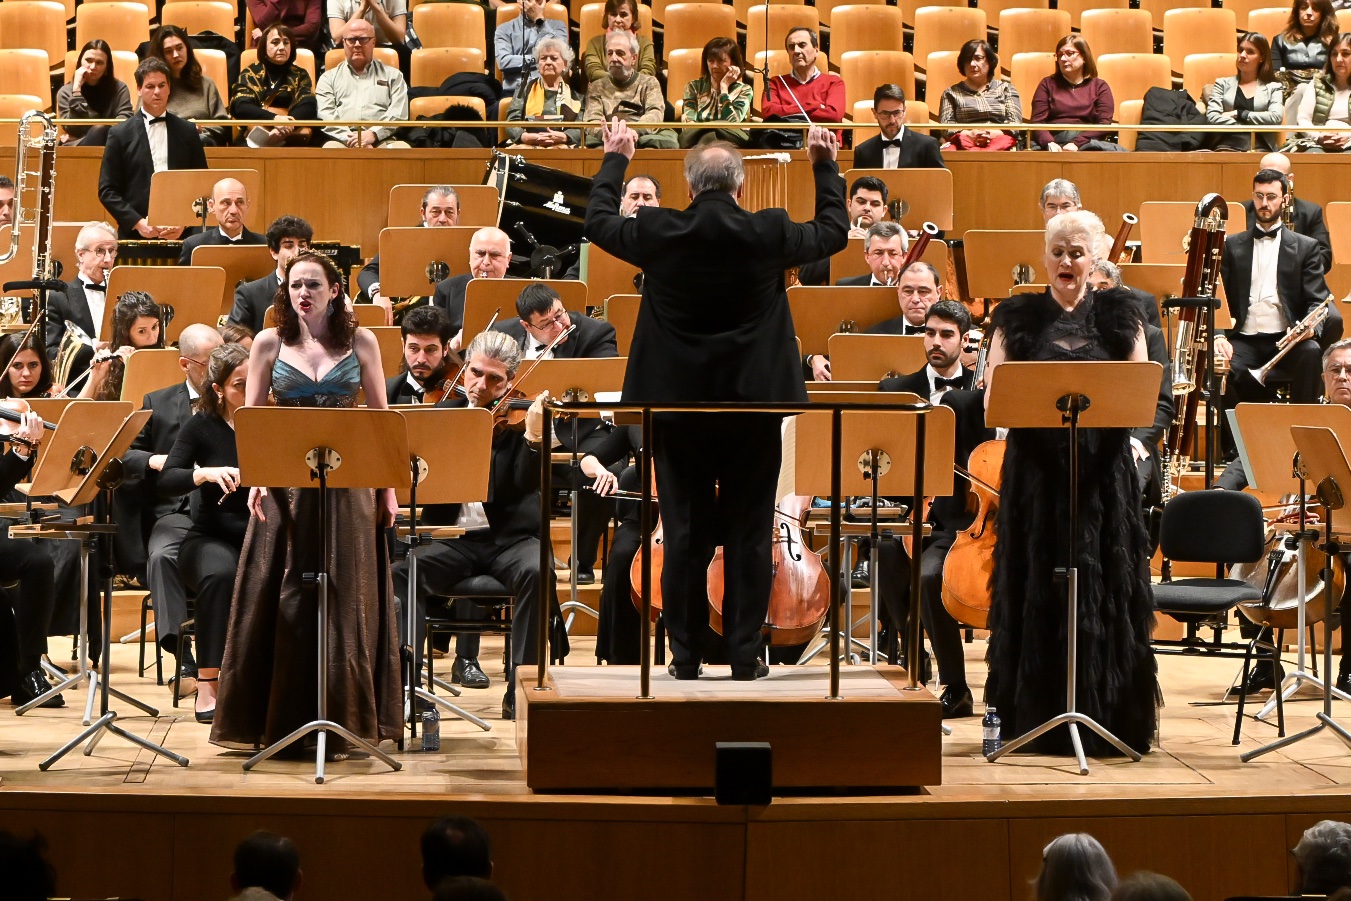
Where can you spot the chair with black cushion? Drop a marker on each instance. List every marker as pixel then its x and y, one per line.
pixel 443 615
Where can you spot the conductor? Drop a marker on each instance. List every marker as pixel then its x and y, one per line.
pixel 714 325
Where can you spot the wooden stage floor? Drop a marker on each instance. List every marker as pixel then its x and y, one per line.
pixel 1190 808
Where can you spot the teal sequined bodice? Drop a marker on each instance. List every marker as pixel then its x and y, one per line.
pixel 338 387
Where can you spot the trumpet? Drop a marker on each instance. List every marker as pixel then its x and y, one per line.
pixel 1301 330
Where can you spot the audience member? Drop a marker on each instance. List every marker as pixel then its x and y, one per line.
pixel 192 95
pixel 269 862
pixel 150 142
pixel 620 15
pixel 455 846
pixel 980 98
pixel 28 875
pixel 229 203
pixel 546 97
pixel 489 256
pixel 276 88
pixel 1327 101
pixel 468 888
pixel 515 43
pixel 627 94
pixel 286 237
pixel 388 20
pixel 718 95
pixel 1075 867
pixel 1146 886
pixel 1252 96
pixel 440 209
pixel 1300 52
pixel 94 93
pixel 361 88
pixel 1073 95
pixel 805 93
pixel 896 147
pixel 1324 858
pixel 303 17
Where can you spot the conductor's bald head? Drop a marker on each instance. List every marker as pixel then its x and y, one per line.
pixel 715 166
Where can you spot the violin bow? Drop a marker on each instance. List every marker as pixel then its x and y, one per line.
pixel 464 362
pixel 540 359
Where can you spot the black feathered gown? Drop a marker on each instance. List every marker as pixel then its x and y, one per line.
pixel 1117 677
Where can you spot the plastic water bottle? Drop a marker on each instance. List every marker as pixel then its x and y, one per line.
pixel 431 730
pixel 990 740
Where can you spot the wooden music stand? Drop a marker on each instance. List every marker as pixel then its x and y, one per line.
pixel 992 256
pixel 289 447
pixel 819 313
pixel 1092 395
pixel 62 250
pixel 1165 223
pixel 483 296
pixel 820 391
pixel 441 472
pixel 150 369
pixel 406 254
pixel 851 260
pixel 862 358
pixel 177 195
pixel 390 339
pixel 621 311
pixel 1339 283
pixel 188 294
pixel 478 205
pixel 927 192
pixel 605 274
pixel 241 262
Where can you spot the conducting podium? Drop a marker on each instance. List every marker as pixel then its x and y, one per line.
pixel 1076 396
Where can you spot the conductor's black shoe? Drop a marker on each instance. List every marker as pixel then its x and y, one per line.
pixel 509 706
pixel 684 672
pixel 466 671
pixel 750 673
pixel 586 577
pixel 957 702
pixel 859 578
pixel 1265 675
pixel 32 686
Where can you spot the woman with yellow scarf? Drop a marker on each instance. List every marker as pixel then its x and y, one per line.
pixel 546 97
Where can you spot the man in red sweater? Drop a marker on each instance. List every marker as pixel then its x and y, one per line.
pixel 806 90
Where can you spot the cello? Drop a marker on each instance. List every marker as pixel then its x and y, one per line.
pixel 970 560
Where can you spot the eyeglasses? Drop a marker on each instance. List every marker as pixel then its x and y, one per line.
pixel 545 324
pixel 201 363
pixel 889 113
pixel 356 42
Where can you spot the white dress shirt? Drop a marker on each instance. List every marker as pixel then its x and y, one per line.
pixel 937 391
pixel 157 133
pixel 98 301
pixel 1265 316
pixel 891 156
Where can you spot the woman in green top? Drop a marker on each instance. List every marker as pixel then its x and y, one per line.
pixel 718 96
pixel 620 15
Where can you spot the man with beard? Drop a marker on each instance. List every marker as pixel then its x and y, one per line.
pixel 627 94
pixel 426 336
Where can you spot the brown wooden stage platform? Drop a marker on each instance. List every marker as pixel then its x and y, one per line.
pixel 120 823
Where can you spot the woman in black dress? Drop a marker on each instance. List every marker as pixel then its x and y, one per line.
pixel 204 457
pixel 1116 680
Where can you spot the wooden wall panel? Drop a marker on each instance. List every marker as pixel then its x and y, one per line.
pixel 129 855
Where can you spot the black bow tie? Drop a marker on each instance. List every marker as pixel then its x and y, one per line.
pixel 955 382
pixel 416 393
pixel 89 286
pixel 156 119
pixel 541 348
pixel 913 330
pixel 893 143
pixel 1259 235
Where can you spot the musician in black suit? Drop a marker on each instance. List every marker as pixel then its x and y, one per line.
pixel 503 533
pixel 884 246
pixel 945 326
pixel 867 207
pixel 426 333
pixel 714 325
pixel 1273 278
pixel 164 520
pixel 83 302
pixel 440 209
pixel 286 237
pixel 918 288
pixel 151 141
pixel 489 256
pixel 896 147
pixel 1306 217
pixel 230 204
pixel 541 319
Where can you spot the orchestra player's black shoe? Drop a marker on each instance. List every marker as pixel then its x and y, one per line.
pixel 758 670
pixel 509 705
pixel 684 672
pixel 466 671
pixel 1265 675
pixel 859 577
pixel 957 702
pixel 32 686
pixel 586 577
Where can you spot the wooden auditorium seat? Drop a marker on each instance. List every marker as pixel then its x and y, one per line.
pixel 1130 75
pixel 946 28
pixel 125 26
pixel 197 16
pixel 1189 31
pixel 1030 31
pixel 772 24
pixel 866 27
pixel 864 70
pixel 35 24
pixel 689 26
pixel 1117 31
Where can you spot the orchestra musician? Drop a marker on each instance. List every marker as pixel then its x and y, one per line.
pixel 502 533
pixel 440 209
pixel 884 246
pixel 690 344
pixel 26 370
pixel 6 200
pixel 230 204
pixel 82 303
pixel 426 333
pixel 1273 278
pixel 136 326
pixel 1026 655
pixel 489 256
pixel 1306 217
pixel 286 237
pixel 867 206
pixel 945 326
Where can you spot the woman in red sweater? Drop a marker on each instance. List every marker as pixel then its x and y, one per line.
pixel 1074 95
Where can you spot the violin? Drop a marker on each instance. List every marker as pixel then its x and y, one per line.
pixel 12 413
pixel 970 561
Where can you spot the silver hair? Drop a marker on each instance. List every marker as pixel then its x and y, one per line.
pixel 497 346
pixel 882 230
pixel 86 235
pixel 1075 866
pixel 1079 223
pixel 443 190
pixel 1061 187
pixel 1344 344
pixel 549 41
pixel 633 40
pixel 1111 271
pixel 1323 852
pixel 715 166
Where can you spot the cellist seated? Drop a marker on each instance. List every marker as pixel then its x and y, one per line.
pixel 942 380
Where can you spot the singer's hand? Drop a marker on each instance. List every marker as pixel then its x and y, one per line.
pixel 256 496
pixel 821 144
pixel 617 137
